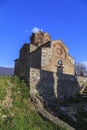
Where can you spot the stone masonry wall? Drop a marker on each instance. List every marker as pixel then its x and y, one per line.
pixel 35 59
pixel 34 79
pixel 46 56
pixel 51 86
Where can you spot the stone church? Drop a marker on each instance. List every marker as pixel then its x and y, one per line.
pixel 47 66
pixel 45 54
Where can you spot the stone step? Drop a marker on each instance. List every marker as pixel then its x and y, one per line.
pixel 85 89
pixel 84 95
pixel 84 98
pixel 85 92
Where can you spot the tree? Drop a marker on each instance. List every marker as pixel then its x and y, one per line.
pixel 80 68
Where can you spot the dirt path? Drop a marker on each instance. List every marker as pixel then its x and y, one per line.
pixel 7 102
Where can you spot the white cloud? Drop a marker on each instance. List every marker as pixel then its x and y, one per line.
pixel 41 30
pixel 36 29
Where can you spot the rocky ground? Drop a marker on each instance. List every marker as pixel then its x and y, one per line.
pixel 73 113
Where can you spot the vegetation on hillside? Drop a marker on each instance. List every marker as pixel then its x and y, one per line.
pixel 21 115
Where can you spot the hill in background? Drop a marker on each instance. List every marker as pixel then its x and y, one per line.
pixel 5 71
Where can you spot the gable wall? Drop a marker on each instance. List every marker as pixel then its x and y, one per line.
pixel 51 56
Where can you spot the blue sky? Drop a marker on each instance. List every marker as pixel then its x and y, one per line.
pixel 62 19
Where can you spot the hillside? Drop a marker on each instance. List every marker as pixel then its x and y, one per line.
pixel 16 109
pixel 4 71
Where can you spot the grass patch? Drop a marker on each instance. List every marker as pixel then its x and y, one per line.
pixel 2 92
pixel 3 87
pixel 22 115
